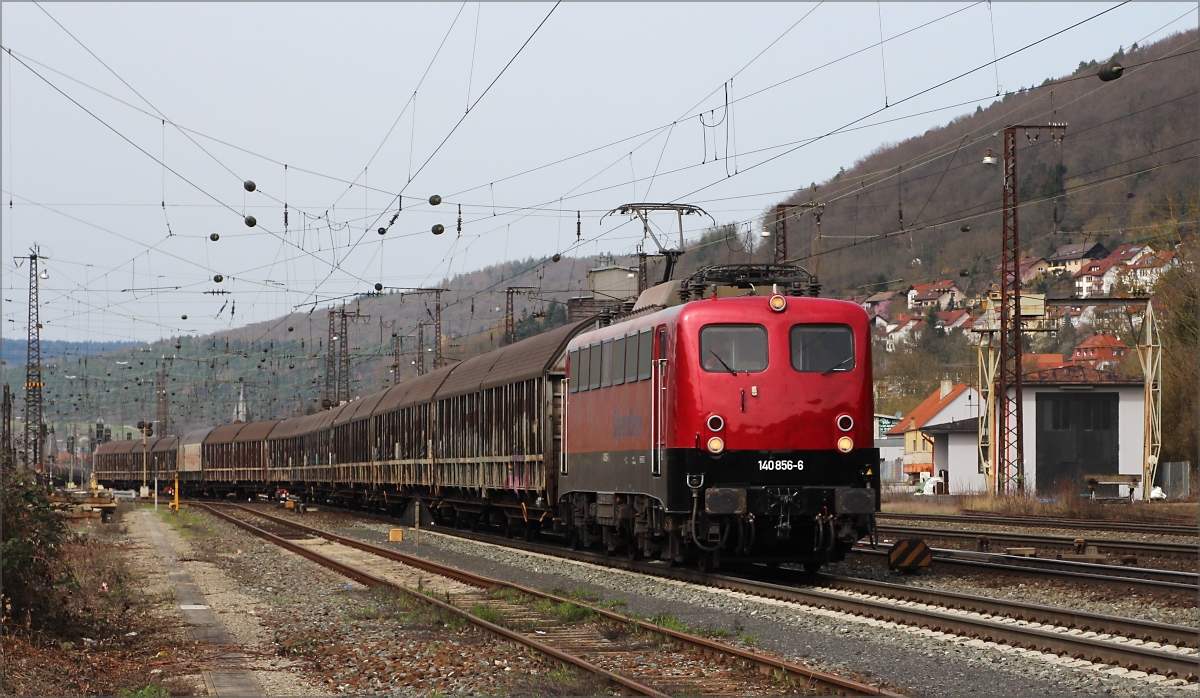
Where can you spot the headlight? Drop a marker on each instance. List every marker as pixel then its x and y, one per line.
pixel 715 423
pixel 845 444
pixel 845 422
pixel 778 303
pixel 716 444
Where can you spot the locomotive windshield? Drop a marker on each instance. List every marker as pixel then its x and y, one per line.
pixel 733 348
pixel 822 348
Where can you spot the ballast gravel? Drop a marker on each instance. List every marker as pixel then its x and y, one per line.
pixel 918 662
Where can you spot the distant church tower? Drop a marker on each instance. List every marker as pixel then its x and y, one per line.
pixel 239 413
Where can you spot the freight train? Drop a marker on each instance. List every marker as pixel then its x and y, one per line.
pixel 717 421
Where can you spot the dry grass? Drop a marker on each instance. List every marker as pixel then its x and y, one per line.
pixel 1061 507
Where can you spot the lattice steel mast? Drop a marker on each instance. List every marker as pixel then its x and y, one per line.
pixel 33 372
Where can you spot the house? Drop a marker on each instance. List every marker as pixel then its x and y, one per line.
pixel 1096 278
pixel 954 320
pixel 891 448
pixel 1100 350
pixel 903 331
pixel 956 457
pixel 1030 268
pixel 949 403
pixel 941 293
pixel 1142 274
pixel 1130 254
pixel 1072 257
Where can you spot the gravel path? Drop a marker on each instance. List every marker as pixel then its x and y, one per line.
pixel 334 636
pixel 914 662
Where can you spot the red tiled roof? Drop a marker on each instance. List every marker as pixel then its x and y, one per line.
pixel 949 317
pixel 925 411
pixel 1040 362
pixel 1102 340
pixel 1078 374
pixel 1097 268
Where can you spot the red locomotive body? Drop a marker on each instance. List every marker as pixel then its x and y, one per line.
pixel 733 427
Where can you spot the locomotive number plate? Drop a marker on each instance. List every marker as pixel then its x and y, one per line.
pixel 781 465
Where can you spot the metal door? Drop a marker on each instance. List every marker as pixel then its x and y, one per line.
pixel 1076 436
pixel 658 398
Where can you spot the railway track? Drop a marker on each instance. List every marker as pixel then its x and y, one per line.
pixel 1187 551
pixel 607 648
pixel 1151 528
pixel 1075 637
pixel 1145 579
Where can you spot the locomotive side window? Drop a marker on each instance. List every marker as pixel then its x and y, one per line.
pixel 585 365
pixel 822 348
pixel 595 361
pixel 733 348
pixel 618 362
pixel 573 367
pixel 645 339
pixel 631 357
pixel 606 363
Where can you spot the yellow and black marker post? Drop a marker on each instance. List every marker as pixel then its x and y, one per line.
pixel 909 554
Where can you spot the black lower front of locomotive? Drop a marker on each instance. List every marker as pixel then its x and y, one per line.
pixel 804 507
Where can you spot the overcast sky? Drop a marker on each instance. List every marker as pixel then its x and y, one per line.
pixel 606 100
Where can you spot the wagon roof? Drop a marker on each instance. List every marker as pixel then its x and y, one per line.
pixel 256 431
pixel 125 446
pixel 366 405
pixel 524 360
pixel 411 392
pixel 166 443
pixel 224 434
pixel 108 448
pixel 322 420
pixel 288 428
pixel 196 436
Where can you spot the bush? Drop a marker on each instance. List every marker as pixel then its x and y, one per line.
pixel 33 533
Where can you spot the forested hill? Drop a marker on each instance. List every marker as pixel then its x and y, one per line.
pixel 1123 158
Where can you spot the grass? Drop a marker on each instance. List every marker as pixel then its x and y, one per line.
pixel 188 525
pixel 508 594
pixel 149 691
pixel 487 613
pixel 565 611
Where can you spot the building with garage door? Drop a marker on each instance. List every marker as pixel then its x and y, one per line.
pixel 1078 421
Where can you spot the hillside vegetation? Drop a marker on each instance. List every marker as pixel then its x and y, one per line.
pixel 914 211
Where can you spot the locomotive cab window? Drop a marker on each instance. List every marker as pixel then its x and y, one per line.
pixel 822 348
pixel 645 349
pixel 733 348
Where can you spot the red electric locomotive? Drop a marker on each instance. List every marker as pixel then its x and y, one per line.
pixel 723 428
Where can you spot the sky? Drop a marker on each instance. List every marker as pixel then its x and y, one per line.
pixel 130 129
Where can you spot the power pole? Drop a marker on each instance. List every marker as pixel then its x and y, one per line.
pixel 421 347
pixel 6 429
pixel 1010 444
pixel 343 392
pixel 163 400
pixel 33 372
pixel 329 393
pixel 781 216
pixel 438 360
pixel 510 320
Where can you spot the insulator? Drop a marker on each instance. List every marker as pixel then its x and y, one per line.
pixel 578 227
pixel 460 220
pixel 1110 71
pixel 249 185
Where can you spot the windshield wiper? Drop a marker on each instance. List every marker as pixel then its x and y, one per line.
pixel 727 368
pixel 836 366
